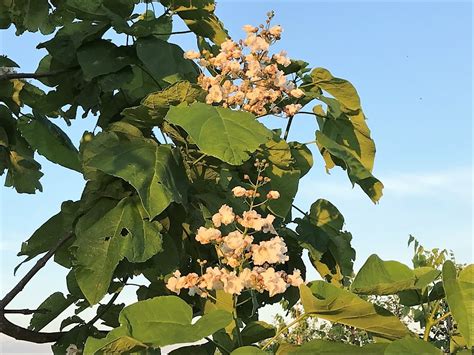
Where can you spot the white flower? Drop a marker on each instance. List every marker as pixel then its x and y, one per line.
pixel 297 93
pixel 214 95
pixel 276 31
pixel 295 279
pixel 256 43
pixel 232 283
pixel 234 240
pixel 273 281
pixel 72 350
pixel 191 55
pixel 228 45
pixel 212 279
pixel 250 29
pixel 271 251
pixel 273 195
pixel 292 109
pixel 224 216
pixel 281 59
pixel 207 235
pixel 176 282
pixel 239 191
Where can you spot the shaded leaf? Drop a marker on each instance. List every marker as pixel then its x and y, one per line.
pixel 248 350
pixel 154 171
pixel 319 346
pixel 54 305
pixel 257 331
pixel 50 141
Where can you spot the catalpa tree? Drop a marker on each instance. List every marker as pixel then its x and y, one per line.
pixel 185 186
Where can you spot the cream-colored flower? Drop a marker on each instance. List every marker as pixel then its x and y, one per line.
pixel 208 235
pixel 228 45
pixel 235 240
pixel 239 191
pixel 176 282
pixel 295 279
pixel 273 195
pixel 250 29
pixel 274 281
pixel 191 55
pixel 232 283
pixel 292 109
pixel 212 279
pixel 271 251
pixel 215 94
pixel 250 219
pixel 297 93
pixel 276 30
pixel 224 216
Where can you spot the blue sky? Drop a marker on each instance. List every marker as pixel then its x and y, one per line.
pixel 411 63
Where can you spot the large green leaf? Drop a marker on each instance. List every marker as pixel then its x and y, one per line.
pixel 165 61
pixel 319 346
pixel 199 17
pixel 154 171
pixel 162 321
pixel 410 345
pixel 49 140
pixel 378 277
pixel 50 308
pixel 248 350
pixel 321 233
pixel 102 57
pixel 357 172
pixel 335 304
pixel 460 296
pixel 148 25
pixel 341 89
pixel 220 132
pixel 105 236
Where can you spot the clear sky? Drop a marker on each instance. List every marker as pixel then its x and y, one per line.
pixel 411 63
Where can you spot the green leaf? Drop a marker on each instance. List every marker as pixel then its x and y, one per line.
pixel 321 233
pixel 460 297
pixel 50 232
pixel 302 156
pixel 156 172
pixel 53 306
pixel 248 350
pixel 319 346
pixel 240 134
pixel 64 45
pixel 323 300
pixel 155 106
pixel 204 349
pixel 410 345
pixel 257 331
pixel 358 174
pixel 163 321
pixel 341 89
pixel 378 277
pixel 105 236
pixel 199 17
pixel 102 57
pixel 148 25
pixel 7 62
pixel 50 141
pixel 165 61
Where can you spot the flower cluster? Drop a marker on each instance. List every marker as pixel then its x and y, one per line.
pixel 243 263
pixel 246 76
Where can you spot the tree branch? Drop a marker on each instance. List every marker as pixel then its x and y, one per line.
pixel 15 331
pixel 9 76
pixel 29 275
pixel 106 308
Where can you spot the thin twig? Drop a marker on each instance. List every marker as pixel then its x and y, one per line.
pixel 288 126
pixel 23 311
pixel 106 308
pixel 299 210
